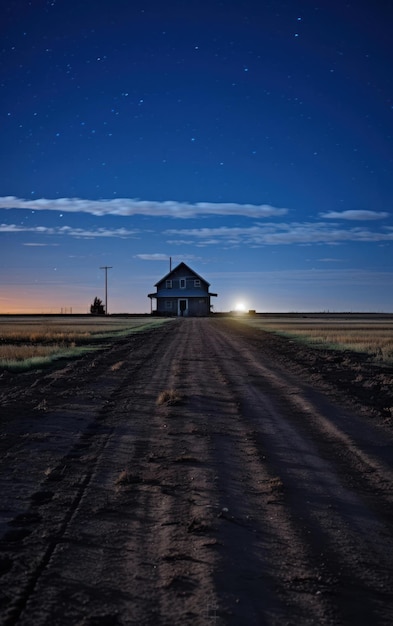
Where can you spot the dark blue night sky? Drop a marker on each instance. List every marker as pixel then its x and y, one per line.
pixel 252 140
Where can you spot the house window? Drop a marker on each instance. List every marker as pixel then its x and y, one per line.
pixel 197 283
pixel 168 305
pixel 168 284
pixel 182 283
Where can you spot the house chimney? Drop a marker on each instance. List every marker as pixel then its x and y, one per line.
pixel 170 263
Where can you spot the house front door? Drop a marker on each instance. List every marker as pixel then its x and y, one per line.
pixel 182 307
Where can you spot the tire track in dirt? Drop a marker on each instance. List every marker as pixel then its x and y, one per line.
pixel 133 532
pixel 45 413
pixel 260 551
pixel 253 500
pixel 346 532
pixel 34 535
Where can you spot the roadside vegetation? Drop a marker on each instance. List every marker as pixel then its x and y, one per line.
pixel 29 342
pixel 369 335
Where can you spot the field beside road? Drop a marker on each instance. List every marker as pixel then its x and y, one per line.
pixel 204 471
pixel 370 334
pixel 32 341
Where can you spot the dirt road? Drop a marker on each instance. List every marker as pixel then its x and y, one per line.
pixel 256 499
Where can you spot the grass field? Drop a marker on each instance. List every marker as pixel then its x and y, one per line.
pixel 27 342
pixel 371 334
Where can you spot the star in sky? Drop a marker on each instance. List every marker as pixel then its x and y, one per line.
pixel 223 104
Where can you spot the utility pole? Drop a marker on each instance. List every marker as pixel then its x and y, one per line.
pixel 106 268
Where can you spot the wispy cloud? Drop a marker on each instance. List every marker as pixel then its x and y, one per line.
pixel 347 276
pixel 253 236
pixel 355 215
pixel 157 256
pixel 40 245
pixel 129 206
pixel 284 233
pixel 68 231
pixel 152 257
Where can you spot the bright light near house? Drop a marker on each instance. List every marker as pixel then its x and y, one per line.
pixel 240 307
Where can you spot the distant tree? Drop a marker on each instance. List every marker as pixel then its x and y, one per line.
pixel 97 308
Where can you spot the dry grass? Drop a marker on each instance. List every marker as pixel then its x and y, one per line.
pixel 186 458
pixel 276 485
pixel 116 366
pixel 24 357
pixel 126 478
pixel 60 330
pixel 373 337
pixel 27 342
pixel 12 352
pixel 169 397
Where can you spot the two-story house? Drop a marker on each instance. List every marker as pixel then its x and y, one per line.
pixel 182 292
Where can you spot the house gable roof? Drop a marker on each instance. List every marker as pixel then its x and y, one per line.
pixel 175 270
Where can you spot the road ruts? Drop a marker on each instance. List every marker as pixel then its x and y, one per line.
pixel 330 536
pixel 253 500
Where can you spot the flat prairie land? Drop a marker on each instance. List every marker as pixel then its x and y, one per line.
pixel 370 334
pixel 27 342
pixel 204 471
